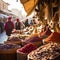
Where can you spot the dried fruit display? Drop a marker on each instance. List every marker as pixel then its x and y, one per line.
pixel 50 51
pixel 8 46
pixel 13 38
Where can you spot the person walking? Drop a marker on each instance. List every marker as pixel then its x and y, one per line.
pixel 1 26
pixel 9 26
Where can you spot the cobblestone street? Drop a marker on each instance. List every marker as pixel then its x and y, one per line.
pixel 3 37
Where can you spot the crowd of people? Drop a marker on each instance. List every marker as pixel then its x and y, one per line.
pixel 18 25
pixel 9 25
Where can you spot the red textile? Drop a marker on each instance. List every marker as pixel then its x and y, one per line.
pixel 9 26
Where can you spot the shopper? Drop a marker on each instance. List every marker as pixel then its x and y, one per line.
pixel 1 26
pixel 26 23
pixel 9 26
pixel 17 24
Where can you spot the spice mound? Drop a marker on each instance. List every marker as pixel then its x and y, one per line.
pixel 28 48
pixel 54 37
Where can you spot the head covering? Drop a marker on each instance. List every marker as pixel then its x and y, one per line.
pixel 9 18
pixel 17 19
pixel 26 19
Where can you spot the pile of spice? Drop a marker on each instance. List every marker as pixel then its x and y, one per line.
pixel 27 48
pixel 54 37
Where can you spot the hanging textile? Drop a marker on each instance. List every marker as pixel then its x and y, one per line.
pixel 24 1
pixel 29 5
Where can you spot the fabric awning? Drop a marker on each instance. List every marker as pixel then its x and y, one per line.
pixel 29 5
pixel 3 15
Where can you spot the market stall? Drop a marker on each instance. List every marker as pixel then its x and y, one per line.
pixel 35 42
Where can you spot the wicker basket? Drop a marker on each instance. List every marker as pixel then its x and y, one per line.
pixel 9 54
pixel 21 55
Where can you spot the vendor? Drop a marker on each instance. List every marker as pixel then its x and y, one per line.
pixel 17 24
pixel 26 23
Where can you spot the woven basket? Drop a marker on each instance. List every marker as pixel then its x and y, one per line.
pixel 9 54
pixel 21 55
